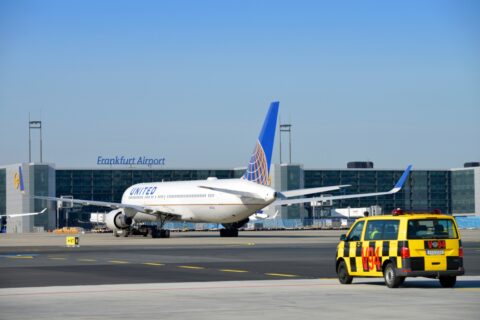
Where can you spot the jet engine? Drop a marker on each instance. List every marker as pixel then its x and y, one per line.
pixel 116 219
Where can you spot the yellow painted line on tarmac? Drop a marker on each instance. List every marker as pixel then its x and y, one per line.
pixel 20 257
pixel 87 260
pixel 191 267
pixel 233 270
pixel 57 258
pixel 153 264
pixel 118 261
pixel 281 275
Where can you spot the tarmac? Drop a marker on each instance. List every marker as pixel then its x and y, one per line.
pixel 198 275
pixel 281 299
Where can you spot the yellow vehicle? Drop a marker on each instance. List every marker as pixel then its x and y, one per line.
pixel 401 245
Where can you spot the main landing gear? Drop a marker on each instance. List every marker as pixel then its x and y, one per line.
pixel 229 232
pixel 152 231
pixel 231 229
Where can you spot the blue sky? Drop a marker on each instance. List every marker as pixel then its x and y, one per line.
pixel 394 82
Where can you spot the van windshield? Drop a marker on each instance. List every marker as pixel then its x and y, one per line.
pixel 431 229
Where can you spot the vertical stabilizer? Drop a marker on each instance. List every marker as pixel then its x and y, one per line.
pixel 18 180
pixel 259 166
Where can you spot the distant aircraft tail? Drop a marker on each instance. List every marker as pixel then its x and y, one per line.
pixel 259 166
pixel 18 180
pixel 22 186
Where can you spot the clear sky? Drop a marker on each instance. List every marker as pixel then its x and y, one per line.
pixel 393 82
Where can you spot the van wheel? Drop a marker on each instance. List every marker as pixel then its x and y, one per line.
pixel 448 281
pixel 391 279
pixel 342 273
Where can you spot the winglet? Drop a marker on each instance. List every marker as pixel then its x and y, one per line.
pixel 402 179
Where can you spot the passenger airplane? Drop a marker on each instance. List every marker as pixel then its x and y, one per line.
pixel 229 202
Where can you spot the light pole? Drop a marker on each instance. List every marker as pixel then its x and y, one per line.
pixel 286 128
pixel 34 125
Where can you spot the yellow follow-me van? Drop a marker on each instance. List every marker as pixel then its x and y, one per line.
pixel 401 245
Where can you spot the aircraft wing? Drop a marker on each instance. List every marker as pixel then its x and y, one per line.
pixel 14 215
pixel 302 192
pixel 130 209
pixel 398 186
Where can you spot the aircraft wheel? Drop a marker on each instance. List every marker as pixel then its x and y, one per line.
pixel 164 233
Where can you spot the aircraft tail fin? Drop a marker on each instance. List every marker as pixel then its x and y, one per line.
pixel 259 166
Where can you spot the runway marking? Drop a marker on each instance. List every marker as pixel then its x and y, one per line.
pixel 191 267
pixel 118 261
pixel 153 264
pixel 57 258
pixel 87 260
pixel 233 270
pixel 19 257
pixel 281 275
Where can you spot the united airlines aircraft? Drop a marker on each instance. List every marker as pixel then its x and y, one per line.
pixel 229 202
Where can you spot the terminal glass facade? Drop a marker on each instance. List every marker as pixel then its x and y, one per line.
pixel 463 191
pixel 109 185
pixel 3 191
pixel 423 191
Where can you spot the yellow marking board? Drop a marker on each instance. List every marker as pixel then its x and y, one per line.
pixel 73 242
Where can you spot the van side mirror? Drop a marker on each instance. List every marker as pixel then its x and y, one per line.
pixel 343 237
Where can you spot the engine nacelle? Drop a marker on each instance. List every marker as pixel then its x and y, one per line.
pixel 116 219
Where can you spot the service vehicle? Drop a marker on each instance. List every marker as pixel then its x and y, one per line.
pixel 401 245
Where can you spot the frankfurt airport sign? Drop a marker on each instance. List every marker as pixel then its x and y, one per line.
pixel 130 161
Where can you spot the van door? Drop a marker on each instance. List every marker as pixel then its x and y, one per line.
pixel 353 247
pixel 379 245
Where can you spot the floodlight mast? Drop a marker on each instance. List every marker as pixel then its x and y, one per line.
pixel 34 125
pixel 287 128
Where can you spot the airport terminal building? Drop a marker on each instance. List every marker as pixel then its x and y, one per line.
pixel 454 191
